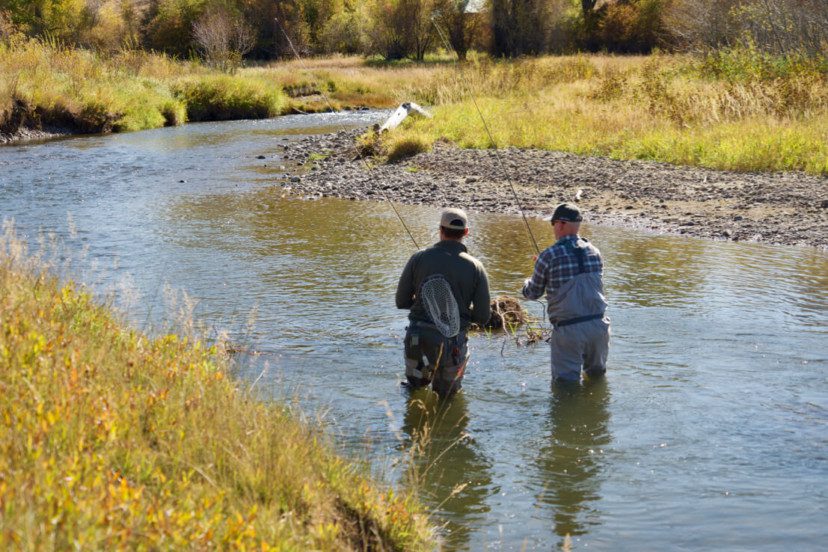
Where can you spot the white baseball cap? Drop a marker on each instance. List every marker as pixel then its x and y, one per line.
pixel 454 219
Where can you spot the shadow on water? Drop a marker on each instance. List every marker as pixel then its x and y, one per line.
pixel 570 460
pixel 448 468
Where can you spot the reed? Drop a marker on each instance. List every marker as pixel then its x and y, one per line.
pixel 116 440
pixel 659 108
pixel 737 109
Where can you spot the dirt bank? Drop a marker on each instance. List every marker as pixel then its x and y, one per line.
pixel 781 208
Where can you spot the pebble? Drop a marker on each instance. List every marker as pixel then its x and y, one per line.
pixel 614 192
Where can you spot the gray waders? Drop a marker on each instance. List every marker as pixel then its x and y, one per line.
pixel 432 358
pixel 582 332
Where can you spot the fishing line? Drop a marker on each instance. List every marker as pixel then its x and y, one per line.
pixel 494 144
pixel 356 149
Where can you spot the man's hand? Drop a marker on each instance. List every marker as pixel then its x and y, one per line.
pixel 534 259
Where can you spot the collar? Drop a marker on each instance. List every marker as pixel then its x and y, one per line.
pixel 452 245
pixel 570 237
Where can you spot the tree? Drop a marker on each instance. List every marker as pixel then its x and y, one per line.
pixel 346 31
pixel 224 39
pixel 460 22
pixel 519 27
pixel 418 29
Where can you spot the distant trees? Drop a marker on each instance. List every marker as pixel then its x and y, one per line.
pixel 779 26
pixel 223 38
pixel 461 23
pixel 519 27
pixel 224 31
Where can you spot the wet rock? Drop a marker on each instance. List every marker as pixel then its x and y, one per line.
pixel 261 157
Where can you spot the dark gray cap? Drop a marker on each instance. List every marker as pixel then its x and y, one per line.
pixel 567 212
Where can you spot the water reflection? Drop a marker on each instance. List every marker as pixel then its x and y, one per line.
pixel 571 456
pixel 657 271
pixel 726 362
pixel 449 469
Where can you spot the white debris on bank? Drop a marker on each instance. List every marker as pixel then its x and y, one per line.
pixel 401 113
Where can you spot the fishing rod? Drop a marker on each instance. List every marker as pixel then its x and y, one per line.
pixel 494 144
pixel 356 149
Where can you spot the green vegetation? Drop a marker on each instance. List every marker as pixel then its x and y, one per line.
pixel 41 84
pixel 114 440
pixel 224 97
pixel 737 108
pixel 759 115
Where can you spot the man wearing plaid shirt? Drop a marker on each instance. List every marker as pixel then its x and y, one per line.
pixel 570 273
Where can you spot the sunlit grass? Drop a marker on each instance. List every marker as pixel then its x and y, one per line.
pixel 115 440
pixel 740 110
pixel 632 108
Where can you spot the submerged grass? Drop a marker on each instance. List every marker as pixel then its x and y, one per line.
pixel 112 439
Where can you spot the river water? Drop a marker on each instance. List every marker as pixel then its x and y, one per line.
pixel 710 431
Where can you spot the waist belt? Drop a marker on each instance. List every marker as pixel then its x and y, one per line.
pixel 578 320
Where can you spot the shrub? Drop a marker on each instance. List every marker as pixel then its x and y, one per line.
pixel 400 147
pixel 222 98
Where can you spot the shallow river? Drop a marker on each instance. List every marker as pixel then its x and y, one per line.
pixel 710 431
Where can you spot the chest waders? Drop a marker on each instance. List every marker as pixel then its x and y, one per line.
pixel 430 357
pixel 581 336
pixel 580 256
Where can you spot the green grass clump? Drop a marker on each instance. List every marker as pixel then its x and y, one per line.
pixel 224 97
pixel 403 146
pixel 111 439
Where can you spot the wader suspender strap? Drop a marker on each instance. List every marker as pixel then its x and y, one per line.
pixel 580 254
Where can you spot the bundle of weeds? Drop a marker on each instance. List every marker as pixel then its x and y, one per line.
pixel 82 91
pixel 507 313
pixel 114 440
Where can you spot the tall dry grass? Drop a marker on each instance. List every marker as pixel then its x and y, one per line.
pixel 661 108
pixel 115 440
pixel 736 109
pixel 87 92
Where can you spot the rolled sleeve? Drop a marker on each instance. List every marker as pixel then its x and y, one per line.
pixel 534 287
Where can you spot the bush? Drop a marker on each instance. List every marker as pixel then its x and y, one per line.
pixel 224 98
pixel 400 147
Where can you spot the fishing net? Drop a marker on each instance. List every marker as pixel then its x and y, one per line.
pixel 441 305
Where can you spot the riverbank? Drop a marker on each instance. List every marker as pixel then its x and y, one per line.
pixel 48 91
pixel 737 109
pixel 789 208
pixel 115 440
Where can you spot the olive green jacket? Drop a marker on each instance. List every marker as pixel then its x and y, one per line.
pixel 464 273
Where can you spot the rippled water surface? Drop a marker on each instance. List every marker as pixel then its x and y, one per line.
pixel 710 431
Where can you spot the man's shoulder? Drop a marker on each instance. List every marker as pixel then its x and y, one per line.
pixel 472 259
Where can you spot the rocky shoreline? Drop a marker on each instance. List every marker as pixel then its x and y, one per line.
pixel 779 208
pixel 25 135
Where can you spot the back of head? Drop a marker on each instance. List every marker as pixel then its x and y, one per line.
pixel 454 223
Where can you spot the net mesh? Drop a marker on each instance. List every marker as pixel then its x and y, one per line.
pixel 441 305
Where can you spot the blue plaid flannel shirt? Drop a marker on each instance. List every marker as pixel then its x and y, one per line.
pixel 557 265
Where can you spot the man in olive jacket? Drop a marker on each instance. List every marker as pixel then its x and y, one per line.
pixel 430 357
